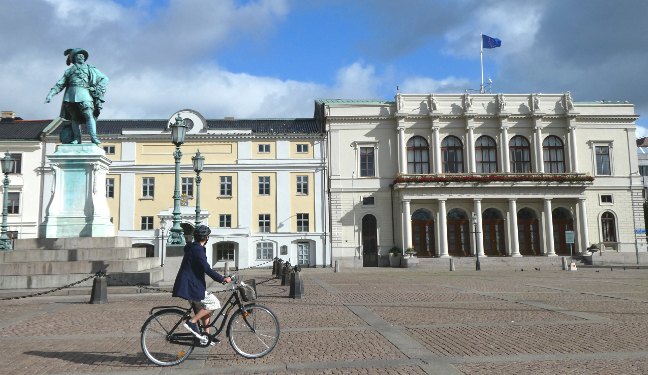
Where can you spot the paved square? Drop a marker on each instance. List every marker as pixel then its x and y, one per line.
pixel 366 321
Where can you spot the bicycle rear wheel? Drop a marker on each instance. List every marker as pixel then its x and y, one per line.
pixel 254 332
pixel 164 341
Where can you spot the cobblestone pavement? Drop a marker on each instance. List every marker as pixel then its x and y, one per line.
pixel 365 321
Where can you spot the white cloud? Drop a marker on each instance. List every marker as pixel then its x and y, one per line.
pixel 426 85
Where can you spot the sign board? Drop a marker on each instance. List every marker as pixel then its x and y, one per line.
pixel 569 236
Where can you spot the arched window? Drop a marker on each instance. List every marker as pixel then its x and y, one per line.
pixel 553 154
pixel 486 154
pixel 418 160
pixel 452 153
pixel 608 227
pixel 520 154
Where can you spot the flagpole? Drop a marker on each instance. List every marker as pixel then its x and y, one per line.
pixel 481 61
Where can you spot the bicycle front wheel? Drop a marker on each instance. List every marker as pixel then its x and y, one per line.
pixel 164 341
pixel 253 332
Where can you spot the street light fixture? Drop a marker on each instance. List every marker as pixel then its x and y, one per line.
pixel 178 131
pixel 198 164
pixel 7 167
pixel 476 237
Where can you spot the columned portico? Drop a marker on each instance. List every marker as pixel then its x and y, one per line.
pixel 402 150
pixel 443 229
pixel 537 127
pixel 480 231
pixel 573 153
pixel 436 144
pixel 548 222
pixel 407 225
pixel 513 225
pixel 504 141
pixel 470 145
pixel 582 224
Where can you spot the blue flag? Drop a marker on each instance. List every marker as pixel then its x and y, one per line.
pixel 488 42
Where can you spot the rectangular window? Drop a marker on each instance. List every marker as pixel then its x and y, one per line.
pixel 264 222
pixel 367 201
pixel 225 221
pixel 110 150
pixel 302 185
pixel 367 162
pixel 226 186
pixel 148 187
pixel 187 186
pixel 264 148
pixel 13 203
pixel 302 148
pixel 606 198
pixel 603 160
pixel 264 185
pixel 110 188
pixel 147 223
pixel 264 250
pixel 643 170
pixel 17 169
pixel 302 223
pixel 225 252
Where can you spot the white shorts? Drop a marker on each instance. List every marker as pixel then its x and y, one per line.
pixel 210 302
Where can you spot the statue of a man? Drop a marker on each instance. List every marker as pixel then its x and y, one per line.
pixel 85 87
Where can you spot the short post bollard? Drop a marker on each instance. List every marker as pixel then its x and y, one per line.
pixel 286 274
pixel 337 266
pixel 226 270
pixel 279 269
pixel 275 263
pixel 99 292
pixel 564 263
pixel 452 265
pixel 296 284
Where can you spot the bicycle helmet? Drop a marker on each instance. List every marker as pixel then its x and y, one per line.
pixel 201 232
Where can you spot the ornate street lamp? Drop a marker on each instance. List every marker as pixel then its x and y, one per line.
pixel 476 236
pixel 198 164
pixel 178 131
pixel 163 224
pixel 7 167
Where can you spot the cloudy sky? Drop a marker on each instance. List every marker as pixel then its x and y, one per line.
pixel 272 58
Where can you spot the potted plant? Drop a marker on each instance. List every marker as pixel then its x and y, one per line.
pixel 395 255
pixel 410 251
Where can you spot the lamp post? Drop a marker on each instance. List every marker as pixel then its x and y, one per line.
pixel 476 237
pixel 7 167
pixel 178 131
pixel 198 163
pixel 162 249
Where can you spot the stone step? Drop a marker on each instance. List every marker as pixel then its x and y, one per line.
pixel 77 267
pixel 71 243
pixel 146 277
pixel 91 254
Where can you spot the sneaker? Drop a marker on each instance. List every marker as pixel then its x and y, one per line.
pixel 193 328
pixel 205 340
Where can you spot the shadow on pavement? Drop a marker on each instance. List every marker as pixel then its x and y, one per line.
pixel 96 358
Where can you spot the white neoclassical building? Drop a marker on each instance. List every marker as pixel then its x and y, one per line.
pixel 493 174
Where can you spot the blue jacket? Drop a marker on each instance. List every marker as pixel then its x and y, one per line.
pixel 190 281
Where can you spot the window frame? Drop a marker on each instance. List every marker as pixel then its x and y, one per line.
pixel 597 162
pixel 304 148
pixel 13 204
pixel 523 165
pixel 302 184
pixel 367 161
pixel 605 227
pixel 225 186
pixel 454 149
pixel 147 223
pixel 303 222
pixel 265 223
pixel 110 187
pixel 109 149
pixel 148 186
pixel 553 151
pixel 418 155
pixel 224 219
pixel 264 185
pixel 225 247
pixel 262 249
pixel 486 155
pixel 17 167
pixel 186 184
pixel 263 148
pixel 603 199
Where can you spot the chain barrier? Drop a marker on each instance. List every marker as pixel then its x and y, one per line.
pixel 122 281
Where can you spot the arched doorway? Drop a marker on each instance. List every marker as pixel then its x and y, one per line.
pixel 528 232
pixel 493 228
pixel 562 222
pixel 369 241
pixel 423 238
pixel 608 230
pixel 187 230
pixel 458 233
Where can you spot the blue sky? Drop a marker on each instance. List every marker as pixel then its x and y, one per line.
pixel 272 58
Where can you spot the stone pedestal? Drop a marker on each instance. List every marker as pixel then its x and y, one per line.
pixel 78 206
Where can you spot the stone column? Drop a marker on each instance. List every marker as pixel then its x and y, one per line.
pixel 480 231
pixel 537 126
pixel 443 229
pixel 583 235
pixel 402 151
pixel 504 142
pixel 407 224
pixel 548 230
pixel 513 224
pixel 436 149
pixel 470 145
pixel 573 152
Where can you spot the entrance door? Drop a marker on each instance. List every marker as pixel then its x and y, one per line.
pixel 423 233
pixel 493 228
pixel 369 241
pixel 562 221
pixel 528 232
pixel 303 254
pixel 458 233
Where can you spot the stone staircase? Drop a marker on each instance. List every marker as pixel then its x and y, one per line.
pixel 54 262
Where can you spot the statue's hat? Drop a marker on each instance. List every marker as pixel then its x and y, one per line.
pixel 71 52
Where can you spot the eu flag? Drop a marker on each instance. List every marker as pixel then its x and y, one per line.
pixel 488 42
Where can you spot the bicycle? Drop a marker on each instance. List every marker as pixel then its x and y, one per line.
pixel 253 330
